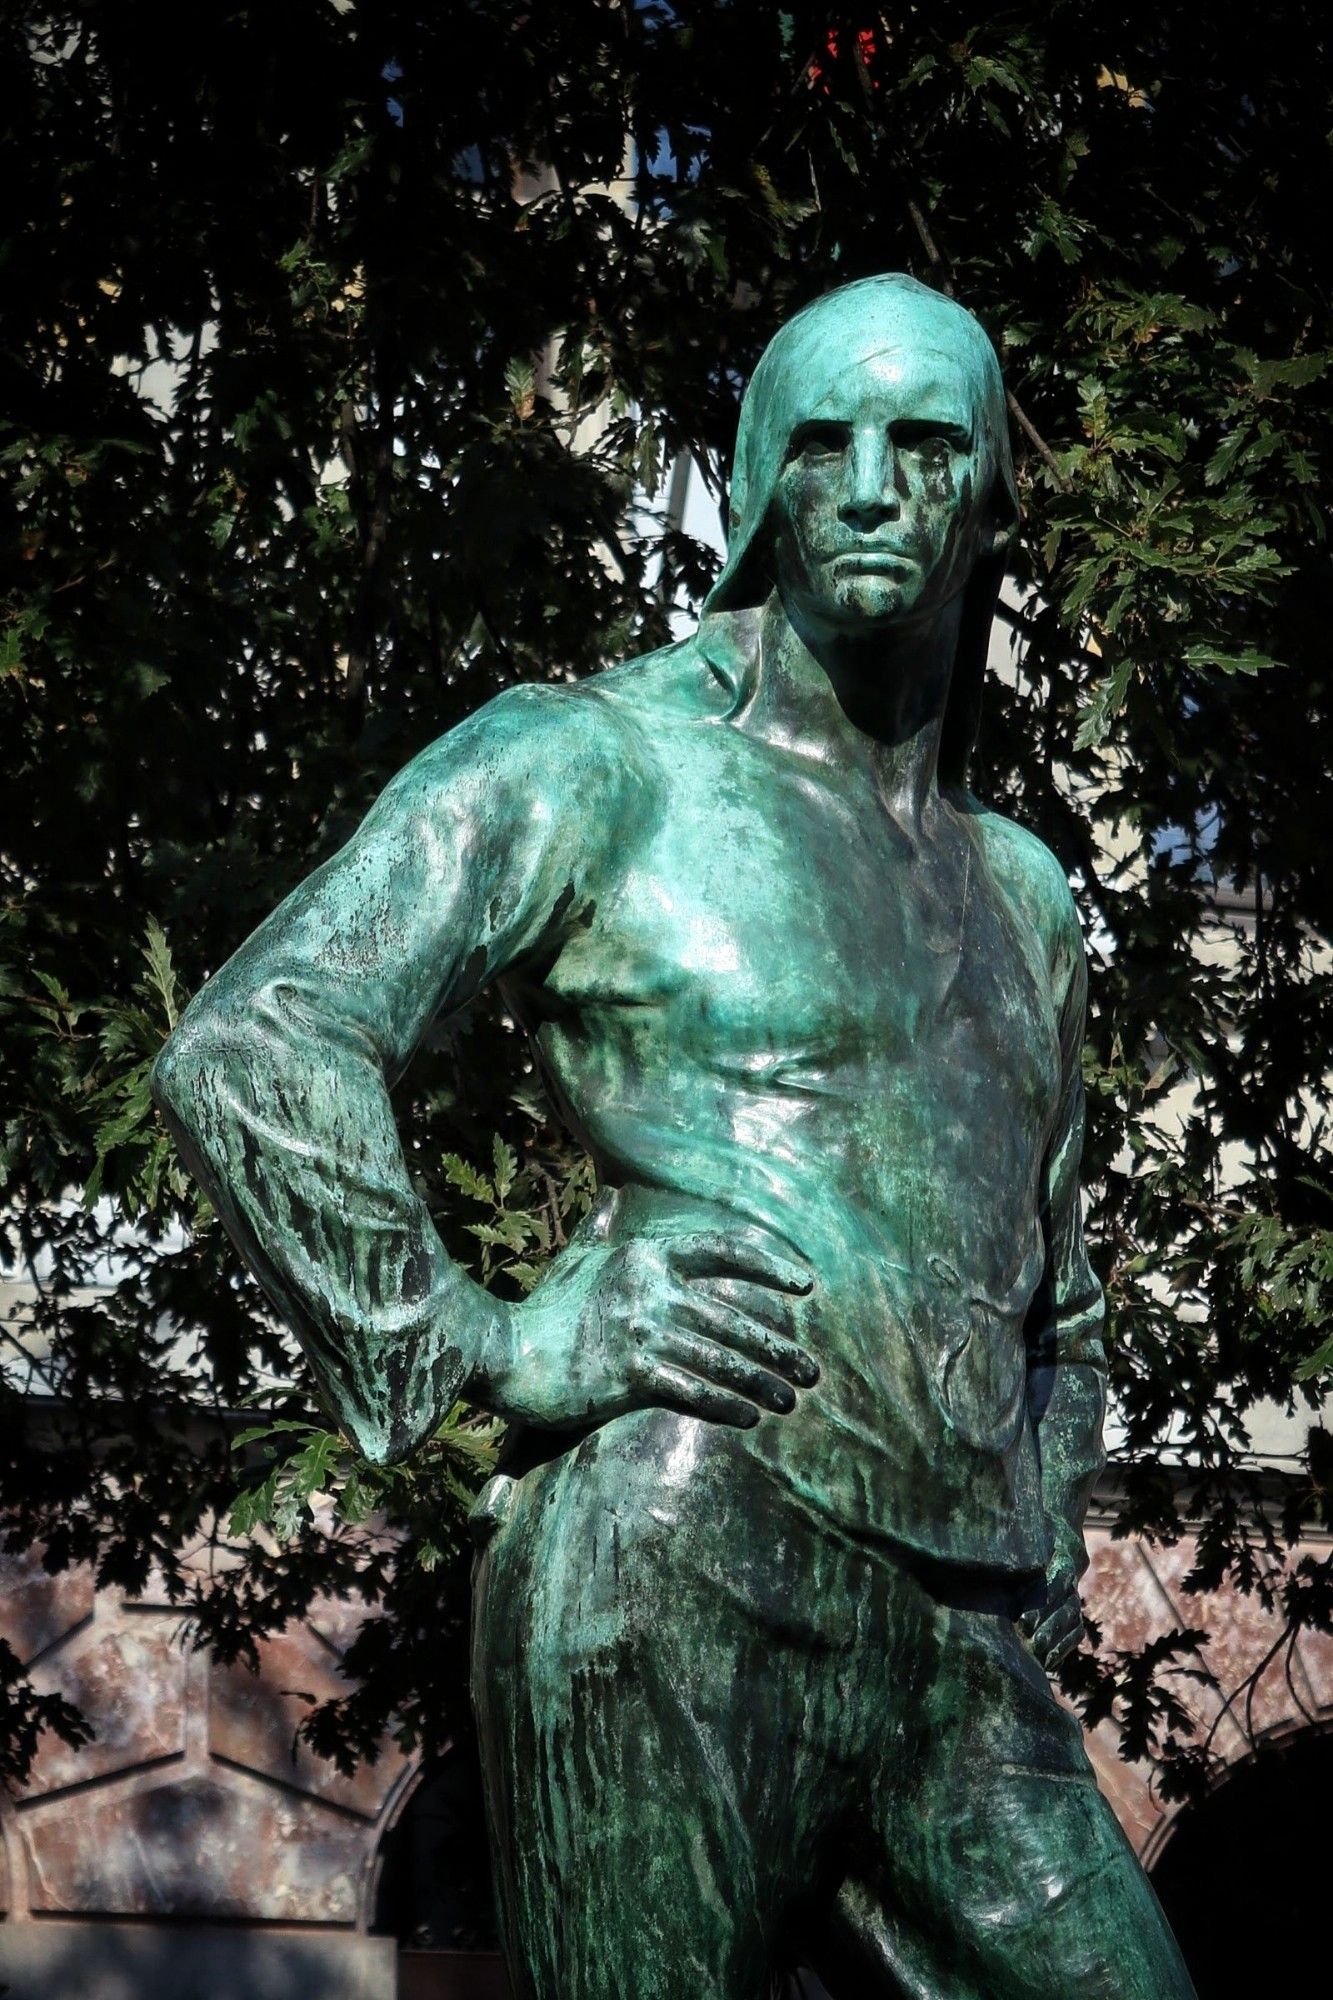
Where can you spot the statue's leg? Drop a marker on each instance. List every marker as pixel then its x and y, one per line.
pixel 1000 1871
pixel 643 1764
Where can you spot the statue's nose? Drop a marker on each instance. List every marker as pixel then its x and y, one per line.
pixel 871 493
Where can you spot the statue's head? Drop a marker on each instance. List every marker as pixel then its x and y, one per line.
pixel 873 483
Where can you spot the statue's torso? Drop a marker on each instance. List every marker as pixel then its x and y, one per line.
pixel 778 1006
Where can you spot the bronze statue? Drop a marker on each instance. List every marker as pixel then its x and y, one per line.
pixel 807 1414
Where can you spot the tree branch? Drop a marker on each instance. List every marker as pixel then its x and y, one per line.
pixel 941 279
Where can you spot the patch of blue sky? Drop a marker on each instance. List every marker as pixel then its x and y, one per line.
pixel 393 105
pixel 662 164
pixel 1178 846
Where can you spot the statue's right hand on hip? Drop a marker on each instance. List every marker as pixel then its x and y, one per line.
pixel 700 1323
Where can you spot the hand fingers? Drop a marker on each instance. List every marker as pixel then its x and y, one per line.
pixel 1058 1620
pixel 727 1369
pixel 1059 1632
pixel 763 1303
pixel 737 1333
pixel 1061 1586
pixel 1057 1607
pixel 1060 1650
pixel 660 1382
pixel 742 1253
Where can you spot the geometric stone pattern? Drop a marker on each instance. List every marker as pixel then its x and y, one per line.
pixel 253 1722
pixel 88 1960
pixel 196 1845
pixel 194 1799
pixel 130 1674
pixel 39 1608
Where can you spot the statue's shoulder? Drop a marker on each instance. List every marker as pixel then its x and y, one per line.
pixel 607 709
pixel 572 751
pixel 1034 881
pixel 680 680
pixel 538 734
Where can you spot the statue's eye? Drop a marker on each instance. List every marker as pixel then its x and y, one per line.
pixel 928 440
pixel 818 441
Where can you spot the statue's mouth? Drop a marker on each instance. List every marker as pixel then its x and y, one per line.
pixel 871 562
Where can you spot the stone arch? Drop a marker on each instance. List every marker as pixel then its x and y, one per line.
pixel 432 1883
pixel 1135 1592
pixel 396 1803
pixel 1259 1830
pixel 432 1879
pixel 195 1797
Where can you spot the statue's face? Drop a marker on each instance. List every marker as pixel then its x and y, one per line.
pixel 878 514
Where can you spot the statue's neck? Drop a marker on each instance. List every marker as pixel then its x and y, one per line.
pixel 876 702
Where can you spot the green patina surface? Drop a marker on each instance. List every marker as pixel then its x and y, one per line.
pixel 807 1414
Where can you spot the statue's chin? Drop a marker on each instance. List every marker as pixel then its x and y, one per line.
pixel 870 602
pixel 872 596
pixel 858 604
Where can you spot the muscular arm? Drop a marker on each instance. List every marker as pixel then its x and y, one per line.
pixel 276 1082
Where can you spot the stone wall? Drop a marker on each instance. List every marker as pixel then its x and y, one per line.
pixel 193 1803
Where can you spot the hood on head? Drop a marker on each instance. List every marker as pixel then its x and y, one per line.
pixel 801 364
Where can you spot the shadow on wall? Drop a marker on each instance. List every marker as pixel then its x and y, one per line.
pixel 59 1960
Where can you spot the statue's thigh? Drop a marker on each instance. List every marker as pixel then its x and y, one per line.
pixel 636 1804
pixel 1002 1873
pixel 1042 1898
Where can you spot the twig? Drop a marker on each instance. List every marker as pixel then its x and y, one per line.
pixel 939 271
pixel 928 244
pixel 1035 438
pixel 553 1209
pixel 33 1365
pixel 1247 1686
pixel 1294 1691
